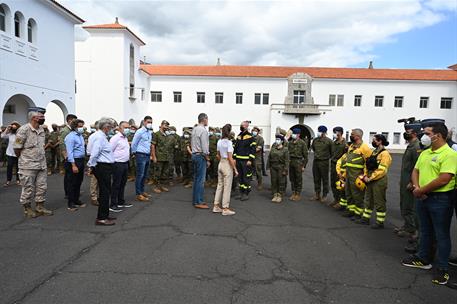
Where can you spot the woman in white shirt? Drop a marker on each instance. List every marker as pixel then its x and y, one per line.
pixel 10 134
pixel 226 169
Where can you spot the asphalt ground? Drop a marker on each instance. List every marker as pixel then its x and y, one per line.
pixel 165 251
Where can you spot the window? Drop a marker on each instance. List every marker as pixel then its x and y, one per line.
pixel 423 103
pixel 266 98
pixel 239 98
pixel 370 138
pixel 132 91
pixel 378 101
pixel 2 19
pixel 331 100
pixel 31 31
pixel 357 100
pixel 17 24
pixel 200 97
pixel 340 100
pixel 257 97
pixel 156 96
pixel 219 97
pixel 142 94
pixel 398 102
pixel 386 135
pixel 9 109
pixel 177 97
pixel 299 96
pixel 348 136
pixel 397 138
pixel 446 102
pixel 132 64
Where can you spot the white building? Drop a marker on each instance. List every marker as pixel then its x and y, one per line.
pixel 112 81
pixel 36 57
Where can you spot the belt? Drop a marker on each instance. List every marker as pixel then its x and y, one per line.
pixel 198 153
pixel 142 153
pixel 104 164
pixel 440 193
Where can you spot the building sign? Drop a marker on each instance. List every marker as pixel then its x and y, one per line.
pixel 299 80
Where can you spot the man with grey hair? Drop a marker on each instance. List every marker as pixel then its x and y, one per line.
pixel 29 148
pixel 200 160
pixel 101 165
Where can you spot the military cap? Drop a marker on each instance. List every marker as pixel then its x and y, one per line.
pixel 173 128
pixel 416 126
pixel 322 129
pixel 256 128
pixel 427 122
pixel 338 129
pixel 210 128
pixel 164 122
pixel 37 109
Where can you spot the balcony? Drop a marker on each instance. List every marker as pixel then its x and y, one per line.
pixel 18 46
pixel 301 108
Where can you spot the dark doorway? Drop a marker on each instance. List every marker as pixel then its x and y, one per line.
pixel 305 133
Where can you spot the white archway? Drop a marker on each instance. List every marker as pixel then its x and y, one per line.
pixel 56 112
pixel 16 109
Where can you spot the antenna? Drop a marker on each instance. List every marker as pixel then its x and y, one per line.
pixel 218 61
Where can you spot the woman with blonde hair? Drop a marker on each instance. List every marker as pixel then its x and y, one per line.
pixel 226 170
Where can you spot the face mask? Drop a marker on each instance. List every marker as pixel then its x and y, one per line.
pixel 41 121
pixel 254 133
pixel 186 135
pixel 294 136
pixel 167 133
pixel 80 130
pixel 210 133
pixel 218 134
pixel 242 129
pixel 407 136
pixel 374 144
pixel 318 134
pixel 110 133
pixel 126 132
pixel 426 140
pixel 278 141
pixel 14 131
pixel 149 126
pixel 172 132
pixel 352 138
pixel 93 130
pixel 132 131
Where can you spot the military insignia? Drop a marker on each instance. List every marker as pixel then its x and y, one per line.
pixel 18 140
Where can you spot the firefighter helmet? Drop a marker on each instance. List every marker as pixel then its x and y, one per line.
pixel 359 183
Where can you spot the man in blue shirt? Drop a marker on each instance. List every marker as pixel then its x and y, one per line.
pixel 141 149
pixel 74 163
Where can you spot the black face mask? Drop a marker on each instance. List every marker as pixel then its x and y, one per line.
pixel 242 129
pixel 41 121
pixel 352 138
pixel 407 136
pixel 13 131
pixel 374 144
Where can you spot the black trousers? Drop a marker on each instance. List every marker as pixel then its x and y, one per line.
pixel 120 172
pixel 74 181
pixel 11 162
pixel 245 175
pixel 103 173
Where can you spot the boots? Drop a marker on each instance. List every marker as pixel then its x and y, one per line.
pixel 41 210
pixel 316 197
pixel 279 199
pixel 29 212
pixel 293 196
pixel 323 199
pixel 297 196
pixel 244 197
pixel 260 187
pixel 275 198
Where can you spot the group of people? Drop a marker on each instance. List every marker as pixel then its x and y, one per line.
pixel 357 175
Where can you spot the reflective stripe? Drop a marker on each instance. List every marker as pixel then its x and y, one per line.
pixel 381 214
pixel 351 207
pixel 355 166
pixel 354 159
pixel 242 157
pixel 243 186
pixel 366 215
pixel 368 210
pixel 251 155
pixel 254 144
pixel 249 174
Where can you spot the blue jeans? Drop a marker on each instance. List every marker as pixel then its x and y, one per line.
pixel 198 189
pixel 142 166
pixel 435 214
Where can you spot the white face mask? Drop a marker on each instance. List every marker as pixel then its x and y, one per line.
pixel 426 140
pixel 80 130
pixel 278 141
pixel 149 126
pixel 334 136
pixel 294 136
pixel 186 136
pixel 254 133
pixel 318 134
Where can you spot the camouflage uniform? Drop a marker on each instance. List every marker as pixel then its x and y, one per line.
pixel 55 155
pixel 32 169
pixel 258 160
pixel 162 153
pixel 322 147
pixel 186 159
pixel 214 162
pixel 298 151
pixel 63 150
pixel 278 163
pixel 177 156
pixel 47 150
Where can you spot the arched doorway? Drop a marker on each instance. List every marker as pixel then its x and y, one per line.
pixel 56 112
pixel 306 133
pixel 16 109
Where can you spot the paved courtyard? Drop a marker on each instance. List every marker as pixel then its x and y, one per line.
pixel 166 251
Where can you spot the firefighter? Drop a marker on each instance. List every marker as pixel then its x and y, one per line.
pixel 244 152
pixel 358 152
pixel 376 180
pixel 340 186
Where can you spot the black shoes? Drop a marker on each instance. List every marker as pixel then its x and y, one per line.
pixel 441 277
pixel 115 209
pixel 416 262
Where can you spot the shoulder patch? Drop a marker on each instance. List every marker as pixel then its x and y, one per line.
pixel 19 140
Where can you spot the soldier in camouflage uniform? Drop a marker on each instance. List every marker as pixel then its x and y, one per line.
pixel 160 156
pixel 54 140
pixel 298 152
pixel 175 145
pixel 29 147
pixel 278 164
pixel 47 149
pixel 186 154
pixel 132 168
pixel 214 162
pixel 322 147
pixel 258 156
pixel 339 145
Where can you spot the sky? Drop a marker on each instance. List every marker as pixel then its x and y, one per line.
pixel 332 33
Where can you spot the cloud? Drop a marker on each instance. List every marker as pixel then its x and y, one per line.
pixel 295 33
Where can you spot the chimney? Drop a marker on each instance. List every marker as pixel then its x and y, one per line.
pixel 453 67
pixel 370 65
pixel 218 61
pixel 116 21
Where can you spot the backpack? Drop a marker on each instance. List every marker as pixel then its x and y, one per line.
pixel 372 162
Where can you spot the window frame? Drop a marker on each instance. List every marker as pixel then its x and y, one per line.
pixel 157 95
pixel 445 100
pixel 332 100
pixel 267 95
pixel 299 96
pixel 218 97
pixel 257 98
pixel 3 16
pixel 397 138
pixel 357 100
pixel 240 97
pixel 426 99
pixel 399 99
pixel 17 25
pixel 201 97
pixel 377 99
pixel 340 97
pixel 177 94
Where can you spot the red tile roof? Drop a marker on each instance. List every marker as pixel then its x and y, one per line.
pixel 284 72
pixel 113 26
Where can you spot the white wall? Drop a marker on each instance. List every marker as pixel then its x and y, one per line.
pixel 42 70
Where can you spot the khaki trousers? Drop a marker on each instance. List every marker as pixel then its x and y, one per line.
pixel 224 183
pixel 93 188
pixel 34 186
